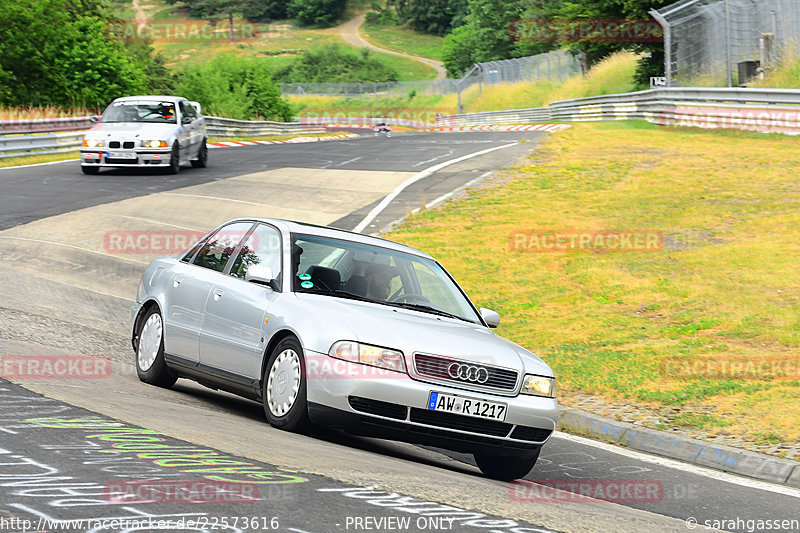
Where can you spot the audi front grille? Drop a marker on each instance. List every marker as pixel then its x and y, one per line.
pixel 472 375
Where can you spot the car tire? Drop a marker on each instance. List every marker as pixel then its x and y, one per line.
pixel 90 170
pixel 175 159
pixel 283 387
pixel 505 467
pixel 202 156
pixel 150 364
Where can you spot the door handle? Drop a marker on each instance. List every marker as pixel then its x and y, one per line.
pixel 218 294
pixel 177 281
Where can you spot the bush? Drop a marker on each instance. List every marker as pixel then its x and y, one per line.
pixel 235 87
pixel 333 64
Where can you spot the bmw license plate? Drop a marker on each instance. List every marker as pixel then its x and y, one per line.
pixel 467 406
pixel 121 155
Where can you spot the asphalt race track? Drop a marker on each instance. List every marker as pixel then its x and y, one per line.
pixel 68 289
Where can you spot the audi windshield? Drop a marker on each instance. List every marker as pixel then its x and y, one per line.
pixel 369 273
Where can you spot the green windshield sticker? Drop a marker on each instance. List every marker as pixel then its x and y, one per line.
pixel 304 277
pixel 307 285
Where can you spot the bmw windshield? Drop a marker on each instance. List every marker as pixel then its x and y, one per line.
pixel 369 273
pixel 160 112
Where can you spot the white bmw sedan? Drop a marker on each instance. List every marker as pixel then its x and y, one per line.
pixel 344 330
pixel 146 131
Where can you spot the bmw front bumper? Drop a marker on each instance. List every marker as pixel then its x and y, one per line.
pixel 121 158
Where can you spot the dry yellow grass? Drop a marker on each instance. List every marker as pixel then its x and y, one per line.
pixel 724 286
pixel 26 113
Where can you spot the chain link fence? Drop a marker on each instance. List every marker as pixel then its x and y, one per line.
pixel 725 42
pixel 552 66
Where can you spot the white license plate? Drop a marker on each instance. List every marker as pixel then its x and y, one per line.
pixel 467 406
pixel 121 155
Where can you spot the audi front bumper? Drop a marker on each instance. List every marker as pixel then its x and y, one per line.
pixel 393 405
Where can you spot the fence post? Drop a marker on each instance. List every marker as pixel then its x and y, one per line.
pixel 728 58
pixel 667 45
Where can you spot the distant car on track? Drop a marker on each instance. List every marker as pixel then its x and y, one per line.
pixel 146 131
pixel 346 331
pixel 381 127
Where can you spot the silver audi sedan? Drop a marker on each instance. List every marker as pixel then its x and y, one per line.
pixel 347 331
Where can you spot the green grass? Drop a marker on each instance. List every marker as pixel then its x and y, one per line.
pixel 723 286
pixel 403 40
pixel 33 159
pixel 613 75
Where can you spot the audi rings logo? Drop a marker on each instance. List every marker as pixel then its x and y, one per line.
pixel 463 372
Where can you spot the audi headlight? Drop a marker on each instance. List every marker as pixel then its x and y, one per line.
pixel 93 143
pixel 154 144
pixel 367 354
pixel 539 386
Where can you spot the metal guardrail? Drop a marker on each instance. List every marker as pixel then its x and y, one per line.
pixel 765 110
pixel 229 127
pixel 365 120
pixel 28 137
pixel 40 144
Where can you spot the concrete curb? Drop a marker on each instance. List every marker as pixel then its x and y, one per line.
pixel 725 458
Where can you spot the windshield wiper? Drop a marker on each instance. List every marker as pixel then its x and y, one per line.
pixel 350 296
pixel 428 309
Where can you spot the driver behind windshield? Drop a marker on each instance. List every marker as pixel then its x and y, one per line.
pixel 379 281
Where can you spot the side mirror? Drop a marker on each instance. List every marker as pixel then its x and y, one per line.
pixel 262 275
pixel 491 318
pixel 93 120
pixel 186 120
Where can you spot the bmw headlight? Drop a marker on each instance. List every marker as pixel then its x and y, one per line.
pixel 154 144
pixel 93 143
pixel 367 354
pixel 539 386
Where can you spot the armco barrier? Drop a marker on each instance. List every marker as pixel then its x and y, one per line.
pixel 764 110
pixel 45 143
pixel 26 137
pixel 229 127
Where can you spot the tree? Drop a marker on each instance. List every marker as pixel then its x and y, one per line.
pixel 316 12
pixel 234 87
pixel 432 16
pixel 487 37
pixel 652 61
pixel 265 10
pixel 62 53
pixel 333 64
